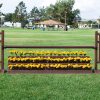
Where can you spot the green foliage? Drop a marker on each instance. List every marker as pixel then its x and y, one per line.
pixel 23 23
pixel 1 5
pixel 8 17
pixel 35 12
pixel 57 12
pixel 38 14
pixel 61 8
pixel 90 22
pixel 20 14
pixel 0 11
pixel 62 11
pixel 43 14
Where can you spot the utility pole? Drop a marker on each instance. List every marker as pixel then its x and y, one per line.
pixel 98 21
pixel 1 19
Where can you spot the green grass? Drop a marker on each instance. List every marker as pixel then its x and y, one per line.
pixel 30 37
pixel 49 86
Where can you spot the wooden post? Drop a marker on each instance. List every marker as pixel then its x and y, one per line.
pixel 2 51
pixel 99 48
pixel 95 61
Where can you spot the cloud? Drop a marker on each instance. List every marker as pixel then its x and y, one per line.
pixel 89 9
pixel 84 4
pixel 10 5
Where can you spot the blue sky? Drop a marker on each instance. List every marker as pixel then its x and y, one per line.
pixel 89 8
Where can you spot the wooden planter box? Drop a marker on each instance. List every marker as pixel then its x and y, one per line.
pixel 48 62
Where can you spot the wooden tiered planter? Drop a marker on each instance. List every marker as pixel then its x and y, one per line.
pixel 49 65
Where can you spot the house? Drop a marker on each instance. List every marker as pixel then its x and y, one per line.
pixel 51 23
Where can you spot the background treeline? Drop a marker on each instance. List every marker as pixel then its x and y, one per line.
pixel 61 11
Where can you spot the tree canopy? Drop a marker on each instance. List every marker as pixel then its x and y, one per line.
pixel 61 8
pixel 62 11
pixel 20 14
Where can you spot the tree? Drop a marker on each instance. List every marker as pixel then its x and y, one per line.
pixel 35 12
pixel 8 17
pixel 76 18
pixel 38 14
pixel 90 22
pixel 1 5
pixel 1 18
pixel 63 11
pixel 0 11
pixel 42 13
pixel 50 11
pixel 20 14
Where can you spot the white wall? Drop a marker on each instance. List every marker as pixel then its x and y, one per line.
pixel 17 24
pixel 10 24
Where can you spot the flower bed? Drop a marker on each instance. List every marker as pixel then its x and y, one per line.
pixel 29 60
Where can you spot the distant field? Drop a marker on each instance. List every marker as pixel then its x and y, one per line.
pixel 38 37
pixel 54 86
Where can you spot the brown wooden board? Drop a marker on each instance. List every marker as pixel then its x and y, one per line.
pixel 52 71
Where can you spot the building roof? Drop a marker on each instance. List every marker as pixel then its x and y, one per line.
pixel 51 22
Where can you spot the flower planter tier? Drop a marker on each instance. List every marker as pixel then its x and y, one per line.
pixel 49 63
pixel 50 66
pixel 49 59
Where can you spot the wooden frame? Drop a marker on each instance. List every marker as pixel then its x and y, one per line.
pixel 96 53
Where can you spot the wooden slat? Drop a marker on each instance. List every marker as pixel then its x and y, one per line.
pixel 99 49
pixel 50 47
pixel 52 71
pixel 96 51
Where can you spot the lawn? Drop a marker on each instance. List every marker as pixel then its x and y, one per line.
pixel 49 86
pixel 30 37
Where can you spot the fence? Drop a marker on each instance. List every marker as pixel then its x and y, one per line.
pixel 96 49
